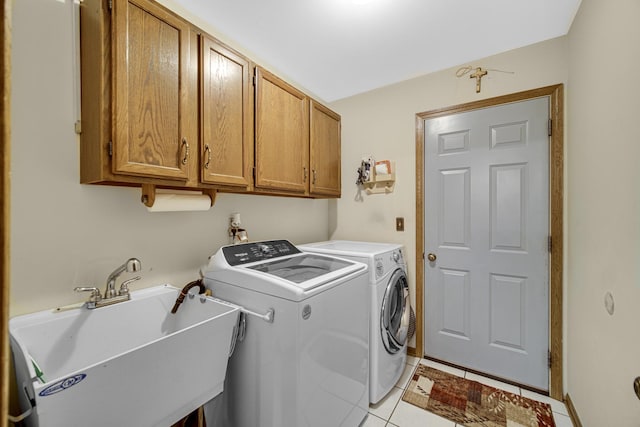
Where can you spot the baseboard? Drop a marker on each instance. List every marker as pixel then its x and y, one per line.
pixel 575 420
pixel 411 351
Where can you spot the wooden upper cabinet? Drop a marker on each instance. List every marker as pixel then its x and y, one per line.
pixel 226 116
pixel 324 161
pixel 281 135
pixel 162 105
pixel 154 120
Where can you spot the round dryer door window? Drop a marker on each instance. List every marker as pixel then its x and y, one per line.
pixel 395 313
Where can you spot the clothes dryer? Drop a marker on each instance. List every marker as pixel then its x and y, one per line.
pixel 390 307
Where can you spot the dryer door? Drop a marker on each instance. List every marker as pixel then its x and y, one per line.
pixel 395 313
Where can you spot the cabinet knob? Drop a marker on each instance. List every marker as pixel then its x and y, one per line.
pixel 304 174
pixel 185 144
pixel 314 176
pixel 207 150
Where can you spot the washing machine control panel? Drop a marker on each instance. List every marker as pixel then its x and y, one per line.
pixel 258 251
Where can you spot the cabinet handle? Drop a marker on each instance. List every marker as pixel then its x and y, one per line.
pixel 186 151
pixel 314 176
pixel 304 176
pixel 208 151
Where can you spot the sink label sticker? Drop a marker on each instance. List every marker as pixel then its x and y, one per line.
pixel 62 385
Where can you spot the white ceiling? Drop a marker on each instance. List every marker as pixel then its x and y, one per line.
pixel 339 48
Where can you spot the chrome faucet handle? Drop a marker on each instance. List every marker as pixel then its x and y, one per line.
pixel 95 292
pixel 124 287
pixel 131 265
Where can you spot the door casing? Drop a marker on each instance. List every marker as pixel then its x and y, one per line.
pixel 5 133
pixel 556 200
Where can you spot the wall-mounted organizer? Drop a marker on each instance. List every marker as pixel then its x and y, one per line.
pixel 382 178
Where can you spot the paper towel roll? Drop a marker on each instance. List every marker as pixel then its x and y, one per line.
pixel 180 202
pixel 383 167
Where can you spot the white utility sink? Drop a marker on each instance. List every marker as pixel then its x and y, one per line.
pixel 129 364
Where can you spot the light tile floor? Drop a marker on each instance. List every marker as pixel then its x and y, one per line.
pixel 392 411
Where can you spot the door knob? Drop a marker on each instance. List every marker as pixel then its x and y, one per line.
pixel 432 257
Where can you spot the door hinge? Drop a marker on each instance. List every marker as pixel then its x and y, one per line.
pixel 550 244
pixel 549 359
pixel 110 148
pixel 110 4
pixel 550 127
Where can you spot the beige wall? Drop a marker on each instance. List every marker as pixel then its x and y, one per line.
pixel 604 212
pixel 602 207
pixel 382 123
pixel 65 234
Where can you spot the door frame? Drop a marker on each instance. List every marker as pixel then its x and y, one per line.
pixel 5 123
pixel 556 200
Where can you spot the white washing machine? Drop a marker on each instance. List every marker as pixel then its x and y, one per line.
pixel 304 357
pixel 390 307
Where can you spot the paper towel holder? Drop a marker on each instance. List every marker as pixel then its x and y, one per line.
pixel 148 197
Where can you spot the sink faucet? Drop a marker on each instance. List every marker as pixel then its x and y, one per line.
pixel 132 265
pixel 111 296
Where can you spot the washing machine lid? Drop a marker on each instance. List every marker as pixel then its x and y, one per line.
pixel 302 269
pixel 278 268
pixel 350 247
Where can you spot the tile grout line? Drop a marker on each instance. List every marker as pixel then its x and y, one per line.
pixel 404 388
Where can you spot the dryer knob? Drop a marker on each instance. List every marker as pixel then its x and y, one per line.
pixel 396 256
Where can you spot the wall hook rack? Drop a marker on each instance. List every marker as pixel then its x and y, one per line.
pixel 381 183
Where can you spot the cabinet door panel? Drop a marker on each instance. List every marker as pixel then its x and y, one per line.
pixel 325 151
pixel 282 135
pixel 151 56
pixel 227 144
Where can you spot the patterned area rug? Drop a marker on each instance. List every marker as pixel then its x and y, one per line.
pixel 473 404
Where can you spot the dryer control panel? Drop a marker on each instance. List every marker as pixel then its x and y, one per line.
pixel 258 251
pixel 388 261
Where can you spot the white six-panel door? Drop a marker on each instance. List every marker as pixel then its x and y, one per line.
pixel 487 225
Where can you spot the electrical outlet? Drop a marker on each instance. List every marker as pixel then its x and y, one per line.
pixel 399 223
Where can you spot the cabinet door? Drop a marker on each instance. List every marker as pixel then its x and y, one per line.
pixel 227 128
pixel 324 151
pixel 152 116
pixel 282 135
